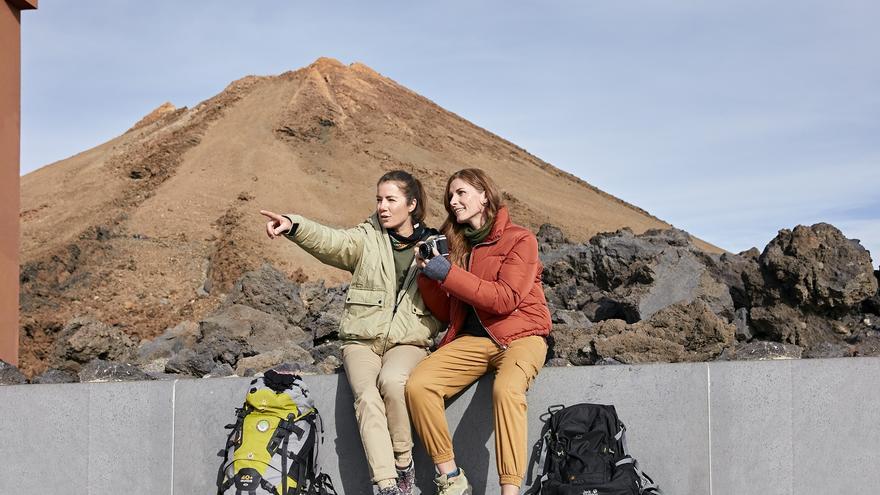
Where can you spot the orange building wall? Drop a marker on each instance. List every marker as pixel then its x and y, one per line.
pixel 10 128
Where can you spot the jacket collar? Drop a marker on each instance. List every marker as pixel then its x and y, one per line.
pixel 502 222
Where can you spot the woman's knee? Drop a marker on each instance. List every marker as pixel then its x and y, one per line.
pixel 417 385
pixel 392 385
pixel 367 398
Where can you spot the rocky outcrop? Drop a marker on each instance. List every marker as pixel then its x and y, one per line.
pixel 619 299
pixel 805 283
pixel 269 291
pixel 85 339
pixel 683 332
pixel 99 370
pixel 10 375
pixel 629 277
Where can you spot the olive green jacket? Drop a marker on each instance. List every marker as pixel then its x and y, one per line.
pixel 375 314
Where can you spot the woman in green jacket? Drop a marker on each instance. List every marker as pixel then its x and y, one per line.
pixel 386 329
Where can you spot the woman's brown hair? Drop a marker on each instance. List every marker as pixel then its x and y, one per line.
pixel 454 231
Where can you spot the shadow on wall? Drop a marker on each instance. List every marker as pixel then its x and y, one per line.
pixel 475 427
pixel 353 471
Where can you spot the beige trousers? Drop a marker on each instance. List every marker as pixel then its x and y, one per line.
pixel 379 404
pixel 458 364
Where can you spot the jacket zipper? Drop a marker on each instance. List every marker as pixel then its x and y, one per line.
pixel 488 332
pixel 398 299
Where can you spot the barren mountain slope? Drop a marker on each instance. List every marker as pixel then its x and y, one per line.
pixel 152 227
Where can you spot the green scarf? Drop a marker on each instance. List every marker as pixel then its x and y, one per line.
pixel 476 236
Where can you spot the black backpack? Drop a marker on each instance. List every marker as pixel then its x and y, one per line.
pixel 582 451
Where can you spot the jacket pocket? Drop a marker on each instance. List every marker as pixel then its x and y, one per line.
pixel 364 313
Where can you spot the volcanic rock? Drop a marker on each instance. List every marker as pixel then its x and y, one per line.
pixel 270 291
pixel 190 362
pixel 681 332
pixel 626 276
pixel 236 331
pixel 763 350
pixel 10 375
pixel 261 362
pixel 172 341
pixel 572 343
pixel 99 370
pixel 326 305
pixel 85 339
pixel 53 376
pixel 818 269
pixel 741 320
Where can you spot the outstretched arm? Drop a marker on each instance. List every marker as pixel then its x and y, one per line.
pixel 340 248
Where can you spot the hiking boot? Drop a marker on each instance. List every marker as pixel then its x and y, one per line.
pixel 455 485
pixel 406 479
pixel 391 490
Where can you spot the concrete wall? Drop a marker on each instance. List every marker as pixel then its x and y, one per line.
pixel 773 427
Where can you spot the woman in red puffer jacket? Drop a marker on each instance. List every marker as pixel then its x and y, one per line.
pixel 489 291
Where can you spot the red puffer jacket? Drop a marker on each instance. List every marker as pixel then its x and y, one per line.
pixel 503 284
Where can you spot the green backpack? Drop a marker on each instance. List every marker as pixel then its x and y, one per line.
pixel 273 445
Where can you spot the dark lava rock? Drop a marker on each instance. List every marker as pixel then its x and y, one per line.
pixel 572 343
pixel 221 370
pixel 53 376
pixel 190 362
pixel 10 375
pixel 85 339
pixel 829 350
pixel 173 340
pixel 681 332
pixel 321 352
pixel 741 320
pixel 236 331
pixel 818 268
pixel 270 291
pixel 631 277
pixel 762 350
pixel 325 310
pixel 261 362
pixel 550 234
pixel 99 370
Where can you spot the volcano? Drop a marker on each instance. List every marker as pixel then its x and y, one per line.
pixel 154 226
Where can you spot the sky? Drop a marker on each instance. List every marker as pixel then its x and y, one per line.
pixel 730 120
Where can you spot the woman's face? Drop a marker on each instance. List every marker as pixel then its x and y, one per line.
pixel 392 208
pixel 468 204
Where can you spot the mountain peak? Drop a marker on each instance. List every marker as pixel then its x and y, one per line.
pixel 157 114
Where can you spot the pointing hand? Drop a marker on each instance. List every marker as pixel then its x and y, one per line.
pixel 276 225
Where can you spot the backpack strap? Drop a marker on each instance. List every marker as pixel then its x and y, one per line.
pixel 646 484
pixel 539 452
pixel 323 486
pixel 284 462
pixel 240 413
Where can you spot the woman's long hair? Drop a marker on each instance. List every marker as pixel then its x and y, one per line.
pixel 411 189
pixel 454 231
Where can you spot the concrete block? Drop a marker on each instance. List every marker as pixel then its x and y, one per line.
pixel 750 411
pixel 342 455
pixel 44 439
pixel 201 409
pixel 130 429
pixel 662 405
pixel 835 414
